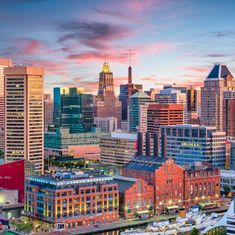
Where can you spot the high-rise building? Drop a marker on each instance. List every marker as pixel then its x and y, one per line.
pixel 193 105
pixel 173 96
pixel 188 144
pixel 106 104
pixel 163 114
pixel 24 118
pixel 4 62
pixel 126 91
pixel 139 98
pixel 217 82
pixel 48 110
pixel 229 113
pixel 73 109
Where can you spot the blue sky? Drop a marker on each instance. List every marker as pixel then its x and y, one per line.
pixel 170 40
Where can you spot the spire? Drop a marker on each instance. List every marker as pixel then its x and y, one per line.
pixel 129 69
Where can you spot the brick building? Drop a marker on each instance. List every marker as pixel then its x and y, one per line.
pixel 201 182
pixel 175 186
pixel 136 197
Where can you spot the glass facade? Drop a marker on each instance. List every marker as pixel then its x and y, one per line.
pixel 73 109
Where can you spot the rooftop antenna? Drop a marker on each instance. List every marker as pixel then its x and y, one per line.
pixel 130 57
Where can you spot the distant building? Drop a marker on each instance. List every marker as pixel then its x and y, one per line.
pixel 118 148
pixel 72 200
pixel 106 124
pixel 163 114
pixel 188 144
pixel 106 104
pixel 4 63
pixel 73 108
pixel 173 96
pixel 136 197
pixel 193 105
pixel 139 98
pixel 217 82
pixel 24 115
pixel 126 91
pixel 232 155
pixel 59 142
pixel 229 113
pixel 88 152
pixel 48 111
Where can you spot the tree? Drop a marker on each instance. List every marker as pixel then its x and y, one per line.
pixel 194 232
pixel 227 189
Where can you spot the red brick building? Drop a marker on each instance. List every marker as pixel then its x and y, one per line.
pixel 175 186
pixel 169 188
pixel 136 197
pixel 201 183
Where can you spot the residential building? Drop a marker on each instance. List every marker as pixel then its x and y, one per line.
pixel 173 96
pixel 4 62
pixel 76 200
pixel 229 113
pixel 217 82
pixel 136 197
pixel 48 111
pixel 139 98
pixel 61 142
pixel 24 115
pixel 106 124
pixel 201 183
pixel 106 104
pixel 188 144
pixel 73 109
pixel 118 149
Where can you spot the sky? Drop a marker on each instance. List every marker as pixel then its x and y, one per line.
pixel 171 41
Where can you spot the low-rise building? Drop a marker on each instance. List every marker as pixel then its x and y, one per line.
pixel 74 200
pixel 118 149
pixel 136 197
pixel 58 141
pixel 227 179
pixel 106 124
pixel 201 183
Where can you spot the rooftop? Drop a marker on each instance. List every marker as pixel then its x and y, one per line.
pixel 128 136
pixel 140 94
pixel 145 163
pixel 219 71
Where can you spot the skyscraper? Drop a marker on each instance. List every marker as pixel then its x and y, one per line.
pixel 126 91
pixel 217 82
pixel 136 100
pixel 48 110
pixel 106 104
pixel 3 64
pixel 24 115
pixel 73 108
pixel 173 96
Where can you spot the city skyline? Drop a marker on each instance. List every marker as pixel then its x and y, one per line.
pixel 170 41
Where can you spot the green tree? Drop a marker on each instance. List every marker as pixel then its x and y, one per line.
pixel 194 232
pixel 227 189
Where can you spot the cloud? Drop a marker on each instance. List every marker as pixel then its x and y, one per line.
pixel 199 69
pixel 223 33
pixel 96 35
